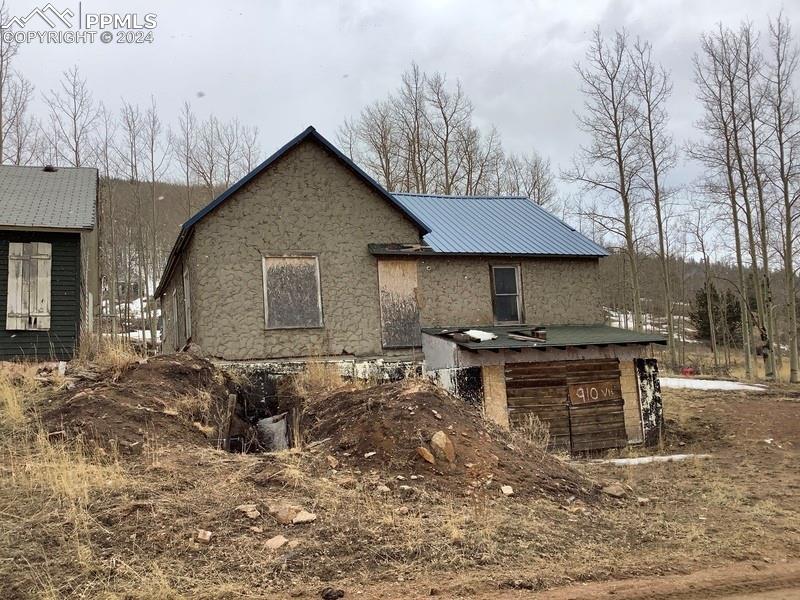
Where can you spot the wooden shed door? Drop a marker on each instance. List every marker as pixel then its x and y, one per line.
pixel 580 400
pixel 539 389
pixel 597 418
pixel 397 280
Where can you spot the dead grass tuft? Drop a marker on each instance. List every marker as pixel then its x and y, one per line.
pixel 106 353
pixel 18 385
pixel 12 407
pixel 533 431
pixel 317 378
pixel 62 471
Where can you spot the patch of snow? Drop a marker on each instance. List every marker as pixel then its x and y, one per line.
pixel 709 384
pixel 646 460
pixel 481 336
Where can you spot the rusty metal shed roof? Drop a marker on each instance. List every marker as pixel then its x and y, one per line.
pixel 512 337
pixel 495 225
pixel 35 198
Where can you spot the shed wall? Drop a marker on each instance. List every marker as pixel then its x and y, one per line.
pixel 60 342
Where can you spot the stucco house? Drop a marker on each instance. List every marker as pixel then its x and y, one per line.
pixel 49 278
pixel 308 258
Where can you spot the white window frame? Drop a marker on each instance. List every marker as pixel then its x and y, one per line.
pixel 265 282
pixel 520 306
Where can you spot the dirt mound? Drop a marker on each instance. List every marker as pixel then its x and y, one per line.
pixel 384 428
pixel 178 399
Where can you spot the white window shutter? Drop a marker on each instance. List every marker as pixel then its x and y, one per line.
pixel 40 268
pixel 18 295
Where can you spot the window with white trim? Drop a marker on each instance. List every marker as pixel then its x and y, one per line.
pixel 28 297
pixel 292 294
pixel 506 295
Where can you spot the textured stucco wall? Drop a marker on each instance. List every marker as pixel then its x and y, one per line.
pixel 457 291
pixel 306 203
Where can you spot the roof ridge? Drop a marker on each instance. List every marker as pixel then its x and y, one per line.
pixel 40 167
pixel 480 197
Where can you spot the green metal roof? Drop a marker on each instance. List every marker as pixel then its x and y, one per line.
pixel 513 337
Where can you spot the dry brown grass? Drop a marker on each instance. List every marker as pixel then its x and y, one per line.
pixel 317 378
pixel 531 430
pixel 107 353
pixel 12 406
pixel 51 468
pixel 77 523
pixel 18 386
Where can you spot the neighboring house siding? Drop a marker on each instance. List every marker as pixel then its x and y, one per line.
pixel 306 203
pixel 458 291
pixel 61 339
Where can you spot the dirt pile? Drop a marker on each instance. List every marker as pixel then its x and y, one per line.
pixel 414 433
pixel 177 399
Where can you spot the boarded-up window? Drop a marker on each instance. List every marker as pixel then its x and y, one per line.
pixel 506 295
pixel 292 297
pixel 397 280
pixel 28 303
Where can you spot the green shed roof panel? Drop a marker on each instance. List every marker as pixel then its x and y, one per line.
pixel 508 337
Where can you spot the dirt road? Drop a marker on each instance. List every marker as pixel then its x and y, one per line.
pixel 748 581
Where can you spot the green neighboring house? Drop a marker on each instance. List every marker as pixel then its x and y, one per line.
pixel 49 279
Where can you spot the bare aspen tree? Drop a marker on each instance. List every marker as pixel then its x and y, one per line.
pixel 131 155
pixel 183 141
pixel 204 159
pixel 753 100
pixel 784 122
pixel 74 114
pixel 228 142
pixel 156 158
pixel 699 230
pixel 450 114
pixel 718 154
pixel 249 150
pixel 480 157
pixel 531 176
pixel 8 49
pixel 381 153
pixel 105 157
pixel 612 161
pixel 410 109
pixel 654 88
pixel 15 125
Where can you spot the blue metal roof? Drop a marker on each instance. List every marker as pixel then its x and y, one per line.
pixel 495 225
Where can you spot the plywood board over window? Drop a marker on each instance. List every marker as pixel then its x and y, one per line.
pixel 397 280
pixel 29 273
pixel 292 292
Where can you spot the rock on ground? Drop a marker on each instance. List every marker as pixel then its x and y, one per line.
pixel 443 447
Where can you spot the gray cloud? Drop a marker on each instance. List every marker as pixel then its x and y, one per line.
pixel 285 65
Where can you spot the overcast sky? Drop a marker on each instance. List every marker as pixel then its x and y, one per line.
pixel 284 65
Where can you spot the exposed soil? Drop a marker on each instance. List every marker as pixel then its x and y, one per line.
pixel 134 536
pixel 143 403
pixel 381 428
